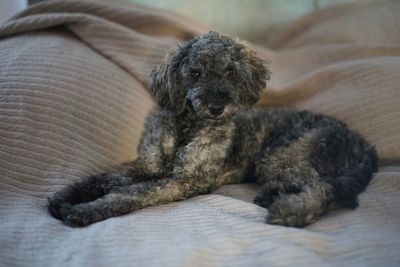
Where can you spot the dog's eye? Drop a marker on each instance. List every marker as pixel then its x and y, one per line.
pixel 195 74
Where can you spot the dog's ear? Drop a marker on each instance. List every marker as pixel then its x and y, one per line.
pixel 256 78
pixel 164 82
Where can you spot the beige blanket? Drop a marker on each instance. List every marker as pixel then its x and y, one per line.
pixel 73 98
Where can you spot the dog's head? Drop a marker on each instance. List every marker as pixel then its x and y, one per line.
pixel 212 75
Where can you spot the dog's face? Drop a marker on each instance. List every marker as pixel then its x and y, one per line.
pixel 211 75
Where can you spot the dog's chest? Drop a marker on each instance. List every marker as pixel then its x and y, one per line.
pixel 205 138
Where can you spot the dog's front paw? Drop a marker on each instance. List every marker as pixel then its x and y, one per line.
pixel 71 215
pixel 54 207
pixel 74 216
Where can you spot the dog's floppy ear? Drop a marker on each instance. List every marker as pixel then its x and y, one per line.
pixel 164 82
pixel 257 77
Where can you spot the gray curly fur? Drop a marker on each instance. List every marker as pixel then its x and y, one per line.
pixel 206 134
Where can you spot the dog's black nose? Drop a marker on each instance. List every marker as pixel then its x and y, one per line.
pixel 215 109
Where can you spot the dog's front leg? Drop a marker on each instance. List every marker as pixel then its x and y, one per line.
pixel 195 172
pixel 156 148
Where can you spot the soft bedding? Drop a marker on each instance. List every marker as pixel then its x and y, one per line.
pixel 73 99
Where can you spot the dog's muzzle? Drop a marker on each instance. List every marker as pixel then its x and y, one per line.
pixel 210 108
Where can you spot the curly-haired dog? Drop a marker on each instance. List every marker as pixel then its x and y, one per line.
pixel 207 135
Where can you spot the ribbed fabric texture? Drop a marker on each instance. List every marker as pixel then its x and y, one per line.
pixel 73 99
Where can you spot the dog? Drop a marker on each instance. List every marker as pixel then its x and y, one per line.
pixel 207 134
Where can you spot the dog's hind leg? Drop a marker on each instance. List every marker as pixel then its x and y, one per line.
pixel 295 201
pixel 291 188
pixel 303 208
pixel 324 169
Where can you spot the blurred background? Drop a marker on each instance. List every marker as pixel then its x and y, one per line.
pixel 250 20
